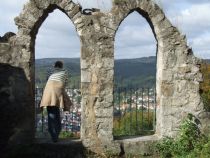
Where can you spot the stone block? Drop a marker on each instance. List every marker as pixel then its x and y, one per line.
pixel 167 75
pixel 76 9
pixel 4 48
pixel 78 20
pixel 167 90
pixel 80 26
pixel 42 4
pixel 65 3
pixel 24 31
pixel 104 123
pixel 108 63
pixel 184 68
pixel 138 147
pixel 69 7
pixel 104 112
pixel 157 18
pixel 84 64
pixel 85 76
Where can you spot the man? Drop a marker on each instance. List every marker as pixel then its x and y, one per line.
pixel 54 98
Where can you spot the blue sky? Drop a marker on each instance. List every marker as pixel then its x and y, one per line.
pixel 57 36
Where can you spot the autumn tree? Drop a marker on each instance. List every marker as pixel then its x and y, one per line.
pixel 205 85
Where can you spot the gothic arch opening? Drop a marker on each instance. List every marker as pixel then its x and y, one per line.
pixel 135 77
pixel 57 40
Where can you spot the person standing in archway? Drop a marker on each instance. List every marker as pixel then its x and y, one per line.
pixel 54 97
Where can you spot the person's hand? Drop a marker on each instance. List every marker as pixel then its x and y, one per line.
pixel 61 109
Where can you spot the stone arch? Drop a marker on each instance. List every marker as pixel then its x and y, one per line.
pixel 29 21
pixel 172 53
pixel 178 75
pixel 136 48
pixel 34 14
pixel 139 20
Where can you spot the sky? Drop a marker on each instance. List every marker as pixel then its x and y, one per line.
pixel 57 36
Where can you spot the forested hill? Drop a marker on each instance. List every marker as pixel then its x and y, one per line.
pixel 207 61
pixel 128 72
pixel 71 64
pixel 139 71
pixel 136 72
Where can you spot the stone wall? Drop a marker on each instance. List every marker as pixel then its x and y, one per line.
pixel 178 74
pixel 16 110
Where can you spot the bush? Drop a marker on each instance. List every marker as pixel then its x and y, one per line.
pixel 205 152
pixel 205 85
pixel 66 134
pixel 165 147
pixel 128 125
pixel 189 143
pixel 206 100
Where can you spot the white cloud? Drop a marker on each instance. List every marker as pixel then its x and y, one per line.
pixel 9 9
pixel 194 21
pixel 136 34
pixel 200 45
pixel 57 37
pixel 135 51
pixel 134 39
pixel 196 18
pixel 194 1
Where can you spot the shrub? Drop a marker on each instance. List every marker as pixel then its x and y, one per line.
pixel 128 125
pixel 190 142
pixel 165 147
pixel 66 134
pixel 205 151
pixel 206 100
pixel 205 85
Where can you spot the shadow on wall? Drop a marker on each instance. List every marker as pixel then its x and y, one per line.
pixel 13 101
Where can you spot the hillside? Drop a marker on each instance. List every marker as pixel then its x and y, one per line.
pixel 142 74
pixel 135 72
pixel 42 65
pixel 207 61
pixel 128 72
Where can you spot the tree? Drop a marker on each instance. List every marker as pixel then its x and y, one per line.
pixel 205 85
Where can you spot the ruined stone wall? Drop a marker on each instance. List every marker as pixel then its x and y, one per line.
pixel 17 123
pixel 178 75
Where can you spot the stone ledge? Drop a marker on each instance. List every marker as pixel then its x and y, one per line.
pixel 70 141
pixel 140 139
pixel 139 145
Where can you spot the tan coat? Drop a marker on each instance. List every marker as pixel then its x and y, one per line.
pixel 54 95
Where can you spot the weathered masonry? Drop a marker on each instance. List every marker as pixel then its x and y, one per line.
pixel 178 75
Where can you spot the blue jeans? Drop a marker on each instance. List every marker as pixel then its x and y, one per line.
pixel 54 122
